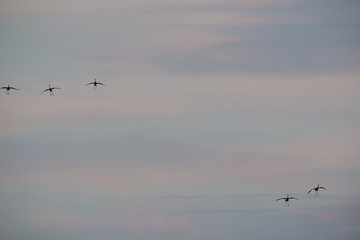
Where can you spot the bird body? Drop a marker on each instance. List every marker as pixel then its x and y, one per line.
pixel 50 89
pixel 316 190
pixel 287 198
pixel 8 88
pixel 95 83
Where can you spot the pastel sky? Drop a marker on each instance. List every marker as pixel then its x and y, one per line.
pixel 211 111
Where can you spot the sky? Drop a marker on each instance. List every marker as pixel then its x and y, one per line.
pixel 211 111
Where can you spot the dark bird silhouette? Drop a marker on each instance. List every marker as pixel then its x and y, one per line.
pixel 287 198
pixel 95 83
pixel 50 89
pixel 8 88
pixel 316 189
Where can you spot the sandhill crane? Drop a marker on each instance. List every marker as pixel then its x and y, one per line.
pixel 8 88
pixel 287 198
pixel 95 83
pixel 50 89
pixel 316 189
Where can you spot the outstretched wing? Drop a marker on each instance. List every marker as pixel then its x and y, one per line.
pixel 89 83
pixel 14 88
pixel 56 88
pixel 100 83
pixel 293 198
pixel 4 88
pixel 280 199
pixel 45 90
pixel 311 190
pixel 323 188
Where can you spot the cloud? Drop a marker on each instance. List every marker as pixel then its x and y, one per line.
pixel 130 223
pixel 184 38
pixel 52 219
pixel 155 222
pixel 201 218
pixel 38 6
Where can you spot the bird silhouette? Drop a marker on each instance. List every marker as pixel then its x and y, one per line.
pixel 95 83
pixel 287 198
pixel 50 89
pixel 8 88
pixel 316 189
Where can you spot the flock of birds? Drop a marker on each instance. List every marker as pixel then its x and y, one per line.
pixel 51 89
pixel 287 198
pixel 95 83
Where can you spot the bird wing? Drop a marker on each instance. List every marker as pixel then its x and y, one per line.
pixel 45 90
pixel 14 88
pixel 4 88
pixel 56 88
pixel 293 198
pixel 89 83
pixel 100 83
pixel 323 188
pixel 311 190
pixel 280 199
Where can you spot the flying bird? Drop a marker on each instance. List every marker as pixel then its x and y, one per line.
pixel 287 198
pixel 50 89
pixel 316 189
pixel 8 88
pixel 95 83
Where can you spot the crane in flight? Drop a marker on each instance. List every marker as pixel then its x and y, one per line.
pixel 316 189
pixel 95 83
pixel 50 89
pixel 287 198
pixel 8 88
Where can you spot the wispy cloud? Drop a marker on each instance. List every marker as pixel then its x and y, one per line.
pixel 210 109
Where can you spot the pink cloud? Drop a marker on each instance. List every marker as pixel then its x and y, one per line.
pixel 129 222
